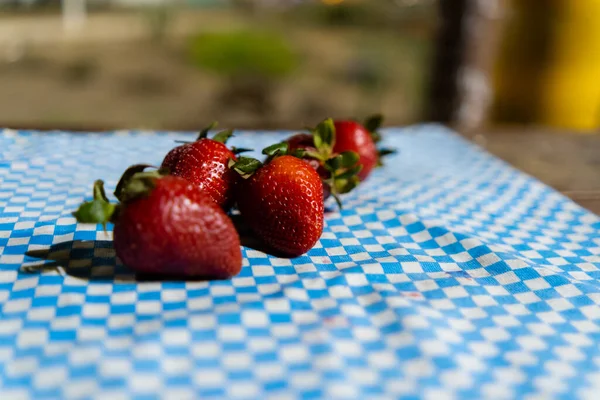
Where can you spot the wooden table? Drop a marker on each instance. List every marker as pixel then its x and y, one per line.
pixel 568 162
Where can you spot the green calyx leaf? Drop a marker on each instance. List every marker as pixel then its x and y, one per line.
pixel 299 153
pixel 323 141
pixel 245 166
pixel 324 135
pixel 315 154
pixel 373 123
pixel 349 158
pixel 223 136
pixel 239 150
pixel 97 211
pixel 136 181
pixel 375 136
pixel 277 149
pixel 342 186
pixel 343 173
pixel 204 132
pixel 349 173
pixel 333 163
pixel 127 176
pixel 343 160
pixel 140 184
pixel 386 152
pixel 383 153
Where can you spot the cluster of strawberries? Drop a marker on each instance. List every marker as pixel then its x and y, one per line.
pixel 173 220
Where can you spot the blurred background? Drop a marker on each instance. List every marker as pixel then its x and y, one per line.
pixel 519 77
pixel 176 64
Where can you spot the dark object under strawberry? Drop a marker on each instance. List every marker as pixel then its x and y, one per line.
pixel 166 225
pixel 282 202
pixel 204 163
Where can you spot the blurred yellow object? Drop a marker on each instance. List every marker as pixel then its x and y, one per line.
pixel 548 71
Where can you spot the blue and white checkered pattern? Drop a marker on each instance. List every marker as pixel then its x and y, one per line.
pixel 447 275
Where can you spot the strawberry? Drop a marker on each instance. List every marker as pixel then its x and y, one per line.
pixel 354 137
pixel 166 225
pixel 338 171
pixel 204 163
pixel 363 139
pixel 282 202
pixel 304 141
pixel 298 145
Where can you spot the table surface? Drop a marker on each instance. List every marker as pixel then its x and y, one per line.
pixel 569 162
pixel 447 274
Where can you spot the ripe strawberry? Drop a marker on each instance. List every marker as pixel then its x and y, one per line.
pixel 282 202
pixel 304 141
pixel 166 225
pixel 204 163
pixel 352 136
pixel 338 171
pixel 298 145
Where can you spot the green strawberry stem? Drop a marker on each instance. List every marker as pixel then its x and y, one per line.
pixel 204 132
pixel 127 176
pixel 323 140
pixel 337 199
pixel 343 174
pixel 134 182
pixel 97 211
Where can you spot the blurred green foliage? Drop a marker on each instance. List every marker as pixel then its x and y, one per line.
pixel 345 14
pixel 243 54
pixel 378 15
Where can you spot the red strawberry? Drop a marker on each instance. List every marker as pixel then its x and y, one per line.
pixel 337 170
pixel 352 136
pixel 301 141
pixel 304 141
pixel 204 163
pixel 282 202
pixel 166 225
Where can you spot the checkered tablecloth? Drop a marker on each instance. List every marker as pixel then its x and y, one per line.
pixel 447 275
